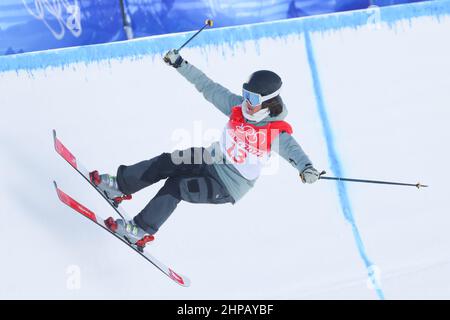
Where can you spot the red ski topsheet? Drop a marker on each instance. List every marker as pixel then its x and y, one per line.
pixel 175 277
pixel 75 205
pixel 64 152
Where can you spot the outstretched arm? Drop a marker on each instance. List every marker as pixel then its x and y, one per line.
pixel 218 95
pixel 289 149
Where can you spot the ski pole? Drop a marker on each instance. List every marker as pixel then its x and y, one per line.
pixel 208 22
pixel 417 185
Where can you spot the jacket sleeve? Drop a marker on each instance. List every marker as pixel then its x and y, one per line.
pixel 288 148
pixel 218 95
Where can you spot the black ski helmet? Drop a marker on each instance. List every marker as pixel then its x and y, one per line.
pixel 263 82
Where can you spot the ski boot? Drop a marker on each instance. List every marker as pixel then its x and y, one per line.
pixel 130 232
pixel 108 185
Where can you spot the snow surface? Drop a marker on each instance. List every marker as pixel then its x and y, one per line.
pixel 385 90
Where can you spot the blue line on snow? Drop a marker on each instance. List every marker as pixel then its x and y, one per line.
pixel 336 165
pixel 230 36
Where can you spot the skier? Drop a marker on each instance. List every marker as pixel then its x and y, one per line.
pixel 221 173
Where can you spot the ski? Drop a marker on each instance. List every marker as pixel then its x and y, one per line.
pixel 99 220
pixel 64 152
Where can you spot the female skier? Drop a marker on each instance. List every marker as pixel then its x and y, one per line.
pixel 222 173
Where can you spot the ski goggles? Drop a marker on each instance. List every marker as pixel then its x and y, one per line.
pixel 255 99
